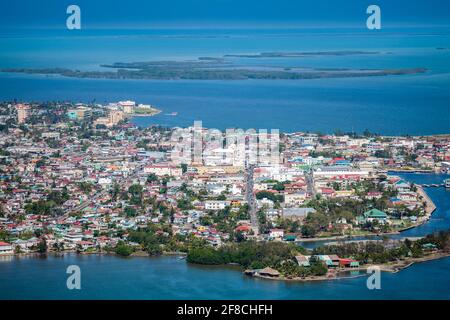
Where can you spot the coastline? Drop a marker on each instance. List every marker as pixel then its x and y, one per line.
pixel 388 267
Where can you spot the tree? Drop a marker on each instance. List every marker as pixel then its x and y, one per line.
pixel 115 191
pixel 4 235
pixel 130 212
pixel 154 249
pixel 318 268
pixel 240 237
pixel 85 187
pixel 42 246
pixel 136 194
pixel 269 195
pixel 135 190
pixel 123 249
pixel 152 178
pixel 308 231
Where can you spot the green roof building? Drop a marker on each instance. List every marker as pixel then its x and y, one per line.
pixel 375 214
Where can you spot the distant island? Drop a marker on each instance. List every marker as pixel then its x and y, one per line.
pixel 301 54
pixel 222 68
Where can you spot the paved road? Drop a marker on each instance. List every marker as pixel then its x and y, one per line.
pixel 250 196
pixel 309 179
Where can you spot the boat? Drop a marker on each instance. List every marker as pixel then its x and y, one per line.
pixel 447 183
pixel 172 114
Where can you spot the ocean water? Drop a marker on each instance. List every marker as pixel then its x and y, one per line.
pixel 408 104
pixel 112 277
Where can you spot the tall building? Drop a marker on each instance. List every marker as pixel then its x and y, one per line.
pixel 79 113
pixel 22 112
pixel 115 116
pixel 127 106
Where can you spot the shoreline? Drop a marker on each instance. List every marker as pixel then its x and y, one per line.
pixel 388 267
pixel 338 274
pixel 61 253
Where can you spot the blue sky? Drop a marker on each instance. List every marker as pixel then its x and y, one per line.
pixel 148 13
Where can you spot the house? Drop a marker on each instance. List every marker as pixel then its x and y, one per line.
pixel 407 196
pixel 26 245
pixel 295 199
pixel 429 247
pixel 334 259
pixel 73 237
pixel 348 263
pixel 297 213
pixel 216 204
pixel 303 261
pixel 374 195
pixel 164 170
pixel 276 233
pixel 327 259
pixel 264 202
pixel 243 228
pixel 84 245
pixel 375 214
pixel 290 237
pixel 5 248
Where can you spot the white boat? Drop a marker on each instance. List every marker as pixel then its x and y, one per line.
pixel 447 183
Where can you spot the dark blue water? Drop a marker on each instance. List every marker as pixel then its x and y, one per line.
pixel 111 277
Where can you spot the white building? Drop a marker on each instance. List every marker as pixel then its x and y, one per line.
pixel 333 171
pixel 276 233
pixel 6 248
pixel 164 170
pixel 216 204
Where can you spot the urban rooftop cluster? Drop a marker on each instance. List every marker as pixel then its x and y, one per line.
pixel 82 177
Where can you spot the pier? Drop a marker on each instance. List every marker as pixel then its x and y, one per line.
pixel 434 185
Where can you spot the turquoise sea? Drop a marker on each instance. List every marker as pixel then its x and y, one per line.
pixel 111 277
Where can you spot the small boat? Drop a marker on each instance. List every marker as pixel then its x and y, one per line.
pixel 172 114
pixel 447 183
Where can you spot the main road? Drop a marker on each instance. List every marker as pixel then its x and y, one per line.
pixel 251 200
pixel 309 179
